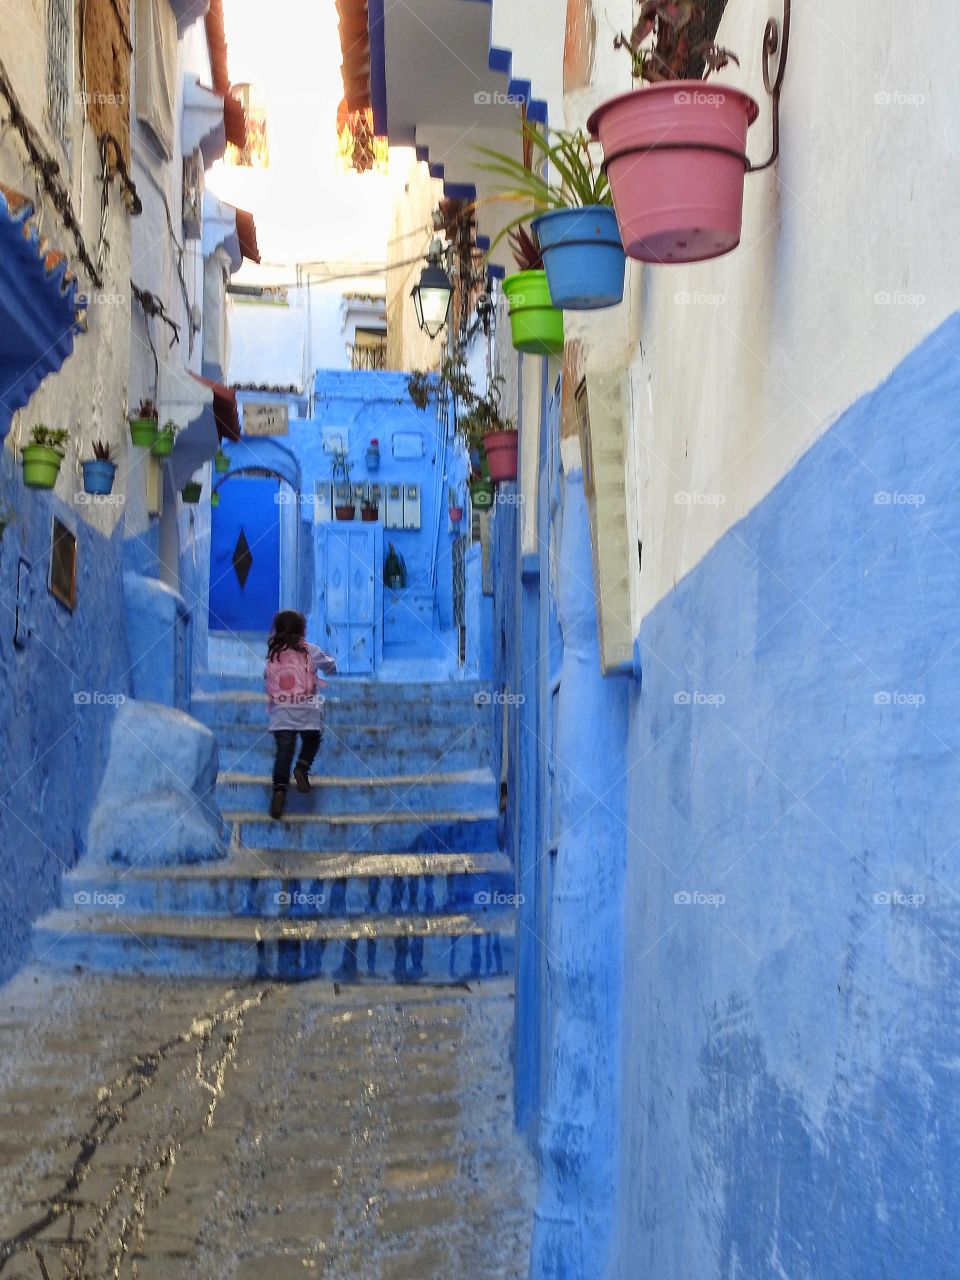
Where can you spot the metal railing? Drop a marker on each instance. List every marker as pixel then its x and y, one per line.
pixel 370 358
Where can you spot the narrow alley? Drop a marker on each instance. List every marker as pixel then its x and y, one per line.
pixel 479 615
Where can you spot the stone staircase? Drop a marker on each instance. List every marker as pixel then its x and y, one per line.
pixel 388 869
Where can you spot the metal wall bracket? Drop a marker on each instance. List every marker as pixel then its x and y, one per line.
pixel 776 43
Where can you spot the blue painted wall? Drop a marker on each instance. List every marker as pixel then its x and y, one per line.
pixel 45 798
pixel 791 1039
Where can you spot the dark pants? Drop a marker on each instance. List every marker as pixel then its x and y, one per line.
pixel 286 740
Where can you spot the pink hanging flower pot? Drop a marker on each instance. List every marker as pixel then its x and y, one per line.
pixel 501 450
pixel 675 154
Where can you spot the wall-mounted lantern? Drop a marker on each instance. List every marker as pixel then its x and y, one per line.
pixel 432 295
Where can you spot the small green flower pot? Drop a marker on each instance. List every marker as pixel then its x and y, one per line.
pixel 143 431
pixel 191 492
pixel 221 462
pixel 214 499
pixel 535 323
pixel 162 446
pixel 41 466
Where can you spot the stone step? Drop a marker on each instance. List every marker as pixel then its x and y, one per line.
pixel 409 714
pixel 272 883
pixel 346 687
pixel 437 948
pixel 373 750
pixel 392 831
pixel 469 790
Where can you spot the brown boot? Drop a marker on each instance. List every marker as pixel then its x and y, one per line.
pixel 278 801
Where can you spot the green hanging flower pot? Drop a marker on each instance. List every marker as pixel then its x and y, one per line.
pixel 143 432
pixel 214 499
pixel 482 493
pixel 536 325
pixel 162 446
pixel 191 492
pixel 221 462
pixel 41 466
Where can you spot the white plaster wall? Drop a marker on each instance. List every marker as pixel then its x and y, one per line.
pixel 740 364
pixel 88 395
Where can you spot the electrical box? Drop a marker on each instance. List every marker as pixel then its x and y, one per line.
pixel 411 506
pixel 394 512
pixel 323 507
pixel 343 495
pixel 360 493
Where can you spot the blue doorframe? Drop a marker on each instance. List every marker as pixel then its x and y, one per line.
pixel 245 554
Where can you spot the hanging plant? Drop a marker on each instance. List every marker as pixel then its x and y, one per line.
pixel 575 223
pixel 143 424
pixel 162 445
pixel 536 325
pixel 675 151
pixel 99 471
pixel 41 458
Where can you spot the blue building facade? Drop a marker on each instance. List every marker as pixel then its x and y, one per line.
pixel 279 541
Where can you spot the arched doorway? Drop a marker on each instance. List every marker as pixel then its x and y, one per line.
pixel 253 550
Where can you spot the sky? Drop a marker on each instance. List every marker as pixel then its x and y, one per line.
pixel 305 207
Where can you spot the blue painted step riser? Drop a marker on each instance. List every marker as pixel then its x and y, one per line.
pixel 470 836
pixel 470 797
pixel 372 746
pixel 409 719
pixel 432 959
pixel 335 760
pixel 296 898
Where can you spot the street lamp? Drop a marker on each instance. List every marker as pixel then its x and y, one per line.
pixel 431 296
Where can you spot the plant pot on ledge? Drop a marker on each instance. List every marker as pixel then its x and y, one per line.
pixel 675 154
pixel 369 513
pixel 345 512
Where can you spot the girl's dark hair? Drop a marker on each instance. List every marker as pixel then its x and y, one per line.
pixel 289 631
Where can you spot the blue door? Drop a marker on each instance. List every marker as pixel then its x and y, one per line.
pixel 351 556
pixel 245 555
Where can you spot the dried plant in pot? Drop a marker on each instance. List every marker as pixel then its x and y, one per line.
pixel 144 424
pixel 675 150
pixel 341 468
pixel 99 471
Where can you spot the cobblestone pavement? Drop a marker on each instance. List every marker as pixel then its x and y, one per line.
pixel 169 1130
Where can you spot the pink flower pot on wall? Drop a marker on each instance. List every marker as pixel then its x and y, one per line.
pixel 675 154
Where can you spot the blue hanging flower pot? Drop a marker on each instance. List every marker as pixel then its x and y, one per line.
pixel 582 256
pixel 98 476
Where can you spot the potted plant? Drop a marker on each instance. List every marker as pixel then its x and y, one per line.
pixel 191 492
pixel 373 455
pixel 100 470
pixel 675 151
pixel 214 498
pixel 341 468
pixel 394 569
pixel 143 424
pixel 221 462
pixel 162 446
pixel 41 458
pixel 577 228
pixel 485 425
pixel 454 510
pixel 369 510
pixel 536 325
